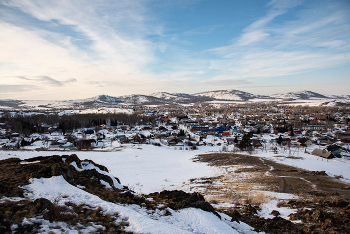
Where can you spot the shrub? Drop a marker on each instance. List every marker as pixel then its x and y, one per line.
pixel 338 176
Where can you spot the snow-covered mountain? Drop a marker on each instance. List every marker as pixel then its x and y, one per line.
pixel 301 95
pixel 162 98
pixel 108 99
pixel 232 94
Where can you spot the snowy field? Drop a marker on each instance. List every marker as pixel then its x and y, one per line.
pixel 148 168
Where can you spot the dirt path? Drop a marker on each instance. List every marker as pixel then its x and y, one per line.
pixel 246 175
pixel 322 202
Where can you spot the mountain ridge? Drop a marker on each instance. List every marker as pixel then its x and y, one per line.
pixel 162 98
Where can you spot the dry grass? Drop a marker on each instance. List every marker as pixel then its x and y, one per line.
pixel 234 188
pixel 243 179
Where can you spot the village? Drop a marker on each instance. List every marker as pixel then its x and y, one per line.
pixel 223 127
pixel 254 162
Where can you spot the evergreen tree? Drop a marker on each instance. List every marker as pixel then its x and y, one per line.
pixel 235 140
pixel 245 142
pixel 291 131
pixel 280 140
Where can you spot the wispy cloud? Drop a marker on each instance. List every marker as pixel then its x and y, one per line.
pixel 54 82
pixel 314 38
pixel 102 40
pixel 41 80
pixel 16 88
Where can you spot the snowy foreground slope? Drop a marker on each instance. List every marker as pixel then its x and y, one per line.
pixel 146 169
pixel 188 220
pixel 139 219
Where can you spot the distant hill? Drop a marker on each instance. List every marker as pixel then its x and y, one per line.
pixel 232 94
pixel 162 98
pixel 301 95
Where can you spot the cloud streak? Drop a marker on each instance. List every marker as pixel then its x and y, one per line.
pixel 311 41
pixel 16 88
pixel 102 40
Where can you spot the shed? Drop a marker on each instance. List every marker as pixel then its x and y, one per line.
pixel 86 143
pixel 174 141
pixel 323 153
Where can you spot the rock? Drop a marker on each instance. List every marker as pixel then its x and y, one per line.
pixel 317 216
pixel 275 213
pixel 101 167
pixel 314 173
pixel 235 216
pixel 51 160
pixel 73 158
pixel 250 210
pixel 41 204
pixel 178 199
pixel 66 172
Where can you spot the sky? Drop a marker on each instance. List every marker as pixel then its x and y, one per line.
pixel 63 49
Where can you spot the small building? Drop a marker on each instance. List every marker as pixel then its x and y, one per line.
pixel 313 127
pixel 304 142
pixel 195 128
pixel 343 135
pixel 174 141
pixel 323 153
pixel 86 143
pixel 139 139
pixel 89 131
pixel 256 143
pixel 123 140
pixel 230 140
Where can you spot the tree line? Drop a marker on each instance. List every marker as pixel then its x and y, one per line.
pixel 40 123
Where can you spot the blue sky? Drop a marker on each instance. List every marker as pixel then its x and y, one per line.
pixel 79 49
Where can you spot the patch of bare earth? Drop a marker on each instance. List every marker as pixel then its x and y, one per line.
pixel 323 201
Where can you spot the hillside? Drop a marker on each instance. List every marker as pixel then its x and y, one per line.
pixel 301 95
pixel 234 95
pixel 66 194
pixel 163 98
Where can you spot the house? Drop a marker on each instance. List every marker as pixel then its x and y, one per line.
pixel 195 128
pixel 139 139
pixel 57 144
pixel 337 150
pixel 343 135
pixel 173 141
pixel 256 143
pixel 221 129
pixel 323 153
pixel 86 143
pixel 89 131
pixel 345 141
pixel 123 140
pixel 304 142
pixel 313 127
pixel 230 140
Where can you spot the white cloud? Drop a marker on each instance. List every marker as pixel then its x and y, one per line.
pixel 113 32
pixel 316 39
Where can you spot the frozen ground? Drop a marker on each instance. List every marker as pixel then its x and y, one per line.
pixel 188 220
pixel 148 168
